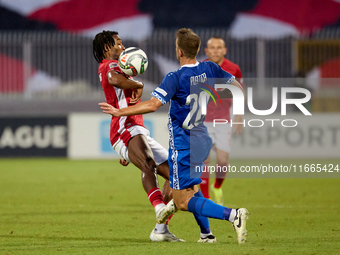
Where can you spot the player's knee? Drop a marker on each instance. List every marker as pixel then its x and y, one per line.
pixel 181 205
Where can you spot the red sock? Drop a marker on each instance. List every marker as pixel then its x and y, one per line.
pixel 167 222
pixel 218 183
pixel 155 196
pixel 204 186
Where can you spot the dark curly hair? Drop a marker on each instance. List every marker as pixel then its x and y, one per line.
pixel 99 42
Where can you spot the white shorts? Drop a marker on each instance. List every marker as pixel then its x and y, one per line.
pixel 221 135
pixel 160 154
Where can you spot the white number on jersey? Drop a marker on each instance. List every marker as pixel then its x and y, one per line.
pixel 199 107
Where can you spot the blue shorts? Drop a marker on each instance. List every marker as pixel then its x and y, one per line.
pixel 183 165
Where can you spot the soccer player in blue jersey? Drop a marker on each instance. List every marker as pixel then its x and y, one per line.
pixel 189 141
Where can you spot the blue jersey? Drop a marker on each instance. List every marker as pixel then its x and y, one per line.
pixel 187 89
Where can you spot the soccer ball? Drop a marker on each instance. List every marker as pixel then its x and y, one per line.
pixel 133 61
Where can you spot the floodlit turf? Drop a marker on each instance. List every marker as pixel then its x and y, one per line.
pixel 57 206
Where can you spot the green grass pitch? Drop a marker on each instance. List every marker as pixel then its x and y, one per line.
pixel 58 206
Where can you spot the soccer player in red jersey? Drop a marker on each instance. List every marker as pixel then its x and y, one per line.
pixel 220 134
pixel 129 138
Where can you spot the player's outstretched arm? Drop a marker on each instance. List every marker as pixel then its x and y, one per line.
pixel 122 82
pixel 145 107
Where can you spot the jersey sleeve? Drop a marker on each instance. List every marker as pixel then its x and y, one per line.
pixel 167 89
pixel 226 77
pixel 114 66
pixel 239 77
pixel 221 75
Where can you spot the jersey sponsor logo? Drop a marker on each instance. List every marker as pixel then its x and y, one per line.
pixel 113 65
pixel 162 91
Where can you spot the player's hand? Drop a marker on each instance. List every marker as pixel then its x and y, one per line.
pixel 109 109
pixel 238 128
pixel 136 95
pixel 123 162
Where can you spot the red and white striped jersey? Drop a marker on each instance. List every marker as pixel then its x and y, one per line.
pixel 118 98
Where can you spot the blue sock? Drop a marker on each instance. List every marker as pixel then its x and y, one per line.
pixel 203 222
pixel 207 208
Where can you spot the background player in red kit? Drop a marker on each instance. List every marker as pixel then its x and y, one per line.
pixel 128 136
pixel 220 134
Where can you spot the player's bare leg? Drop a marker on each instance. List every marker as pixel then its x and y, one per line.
pixel 183 196
pixel 167 192
pixel 140 154
pixel 163 170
